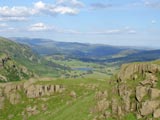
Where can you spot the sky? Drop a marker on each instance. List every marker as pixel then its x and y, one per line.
pixel 113 22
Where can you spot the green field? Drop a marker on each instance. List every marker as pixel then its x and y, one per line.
pixel 61 105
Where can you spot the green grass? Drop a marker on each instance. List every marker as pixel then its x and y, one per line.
pixel 79 108
pixel 129 116
pixel 61 106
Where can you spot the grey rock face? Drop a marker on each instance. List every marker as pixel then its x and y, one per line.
pixel 128 70
pixel 154 93
pixel 149 107
pixel 141 92
pixel 14 98
pixel 10 91
pixel 137 88
pixel 32 110
pixel 35 91
pixel 156 113
pixel 101 95
pixel 114 106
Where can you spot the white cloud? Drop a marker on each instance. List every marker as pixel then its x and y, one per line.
pixel 43 27
pixel 40 5
pixel 13 18
pixel 125 30
pixel 53 9
pixel 65 10
pixel 73 3
pixel 40 27
pixel 111 31
pixel 15 11
pixel 20 13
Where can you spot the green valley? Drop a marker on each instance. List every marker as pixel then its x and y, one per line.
pixel 57 86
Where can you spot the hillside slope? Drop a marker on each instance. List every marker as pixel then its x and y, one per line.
pixel 72 49
pixel 13 60
pixel 18 61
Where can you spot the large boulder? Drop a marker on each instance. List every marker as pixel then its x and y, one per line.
pixel 101 95
pixel 101 106
pixel 156 113
pixel 31 92
pixel 114 106
pixel 141 92
pixel 149 107
pixel 154 93
pixel 14 98
pixel 32 110
pixel 119 111
pixel 73 94
pixel 35 91
pixel 150 79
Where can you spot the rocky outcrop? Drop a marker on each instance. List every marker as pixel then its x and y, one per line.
pixel 12 92
pixel 32 110
pixel 14 98
pixel 141 92
pixel 35 91
pixel 101 95
pixel 10 70
pixel 128 71
pixel 156 113
pixel 73 94
pixel 148 107
pixel 154 93
pixel 114 106
pixel 137 91
pixel 102 104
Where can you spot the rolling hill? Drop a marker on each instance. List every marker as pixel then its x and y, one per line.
pixel 89 52
pixel 18 61
pixel 47 47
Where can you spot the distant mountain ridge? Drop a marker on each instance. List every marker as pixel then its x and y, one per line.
pixel 89 52
pixel 74 49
